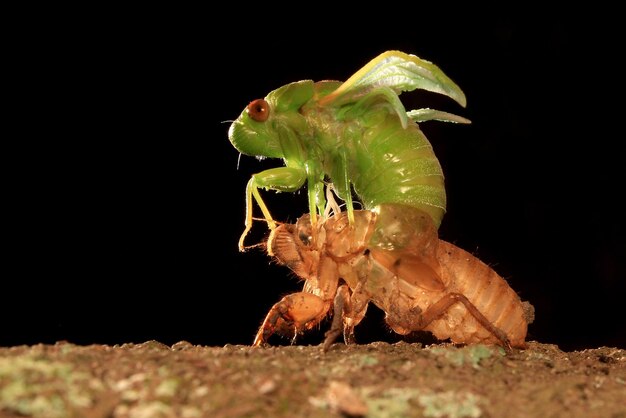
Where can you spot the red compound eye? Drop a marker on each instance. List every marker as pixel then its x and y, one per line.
pixel 259 110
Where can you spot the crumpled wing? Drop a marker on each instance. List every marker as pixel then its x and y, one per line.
pixel 398 71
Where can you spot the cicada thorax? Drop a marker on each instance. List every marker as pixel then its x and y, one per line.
pixel 405 242
pixel 400 271
pixel 369 149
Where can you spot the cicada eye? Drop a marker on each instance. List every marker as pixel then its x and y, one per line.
pixel 259 110
pixel 304 237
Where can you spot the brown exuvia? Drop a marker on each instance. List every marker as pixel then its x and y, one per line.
pixel 392 257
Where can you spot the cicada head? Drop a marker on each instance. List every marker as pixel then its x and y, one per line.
pixel 261 128
pixel 294 245
pixel 288 242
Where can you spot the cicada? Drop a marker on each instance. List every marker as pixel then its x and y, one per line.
pixel 356 135
pixel 393 258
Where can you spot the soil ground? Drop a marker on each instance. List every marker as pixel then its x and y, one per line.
pixel 378 380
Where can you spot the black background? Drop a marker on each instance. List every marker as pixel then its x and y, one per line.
pixel 128 200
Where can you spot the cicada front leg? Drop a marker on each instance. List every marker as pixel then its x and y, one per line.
pixel 283 179
pixel 301 310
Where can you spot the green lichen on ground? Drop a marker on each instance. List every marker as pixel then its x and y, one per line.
pixel 451 404
pixel 471 355
pixel 32 385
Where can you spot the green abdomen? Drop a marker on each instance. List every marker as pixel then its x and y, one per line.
pixel 397 165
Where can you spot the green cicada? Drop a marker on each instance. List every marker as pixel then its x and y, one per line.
pixel 356 135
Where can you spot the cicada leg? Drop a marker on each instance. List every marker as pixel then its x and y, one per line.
pixel 282 179
pixel 341 309
pixel 253 191
pixel 443 304
pixel 316 200
pixel 331 204
pixel 349 311
pixel 301 310
pixel 345 187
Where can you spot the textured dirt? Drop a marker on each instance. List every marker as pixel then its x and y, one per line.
pixel 378 380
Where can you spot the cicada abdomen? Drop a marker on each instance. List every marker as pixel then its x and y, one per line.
pixel 488 292
pixel 396 164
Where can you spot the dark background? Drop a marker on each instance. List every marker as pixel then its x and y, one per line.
pixel 131 198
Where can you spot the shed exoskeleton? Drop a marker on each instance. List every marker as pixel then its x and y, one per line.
pixel 392 257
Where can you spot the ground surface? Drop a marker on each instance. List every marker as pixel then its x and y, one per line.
pixel 378 380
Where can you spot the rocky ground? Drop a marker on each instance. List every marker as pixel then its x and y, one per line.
pixel 377 380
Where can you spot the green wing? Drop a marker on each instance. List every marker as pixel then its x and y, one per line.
pixel 423 115
pixel 399 72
